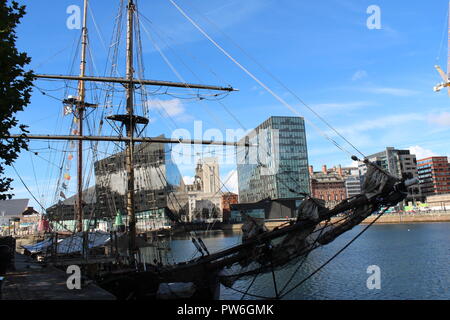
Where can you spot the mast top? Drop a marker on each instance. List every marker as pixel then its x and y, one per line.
pixel 129 120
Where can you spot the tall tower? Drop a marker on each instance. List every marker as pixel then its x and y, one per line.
pixel 208 172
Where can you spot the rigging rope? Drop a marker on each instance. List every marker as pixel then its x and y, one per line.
pixel 303 260
pixel 251 75
pixel 302 187
pixel 283 85
pixel 250 285
pixel 26 187
pixel 159 32
pixel 177 74
pixel 281 294
pixel 444 31
pixel 336 254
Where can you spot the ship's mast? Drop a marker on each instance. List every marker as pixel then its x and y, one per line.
pixel 80 114
pixel 130 132
pixel 129 120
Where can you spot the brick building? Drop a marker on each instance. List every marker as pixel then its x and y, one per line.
pixel 328 186
pixel 434 175
pixel 228 199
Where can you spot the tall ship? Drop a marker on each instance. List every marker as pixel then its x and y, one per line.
pixel 138 160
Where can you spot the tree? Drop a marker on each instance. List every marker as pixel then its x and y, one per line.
pixel 15 90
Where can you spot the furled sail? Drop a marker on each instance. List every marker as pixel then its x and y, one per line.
pixel 313 227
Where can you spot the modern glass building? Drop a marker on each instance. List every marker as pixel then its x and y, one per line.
pixel 158 181
pixel 400 163
pixel 159 191
pixel 275 163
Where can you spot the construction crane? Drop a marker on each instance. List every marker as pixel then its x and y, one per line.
pixel 442 85
pixel 445 76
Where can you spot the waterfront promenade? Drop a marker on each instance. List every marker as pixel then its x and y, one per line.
pixel 31 281
pixel 388 218
pixel 410 217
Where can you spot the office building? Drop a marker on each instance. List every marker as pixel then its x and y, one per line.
pixel 280 209
pixel 160 196
pixel 274 164
pixel 399 163
pixel 434 175
pixel 158 183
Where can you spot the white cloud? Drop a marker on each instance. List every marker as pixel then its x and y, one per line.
pixel 442 119
pixel 258 89
pixel 360 74
pixel 383 122
pixel 167 108
pixel 391 32
pixel 351 164
pixel 391 91
pixel 421 153
pixel 231 182
pixel 188 180
pixel 233 13
pixel 354 164
pixel 328 108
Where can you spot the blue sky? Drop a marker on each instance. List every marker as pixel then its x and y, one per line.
pixel 374 86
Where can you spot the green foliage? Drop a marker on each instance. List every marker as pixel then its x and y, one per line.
pixel 15 90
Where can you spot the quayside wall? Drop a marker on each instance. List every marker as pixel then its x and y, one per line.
pixel 391 218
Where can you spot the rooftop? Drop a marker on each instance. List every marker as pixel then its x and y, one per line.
pixel 13 207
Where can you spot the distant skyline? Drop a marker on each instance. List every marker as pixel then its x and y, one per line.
pixel 373 85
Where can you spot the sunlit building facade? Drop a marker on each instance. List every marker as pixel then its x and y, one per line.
pixel 158 182
pixel 434 175
pixel 400 163
pixel 275 163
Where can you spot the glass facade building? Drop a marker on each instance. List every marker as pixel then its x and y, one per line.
pixel 400 163
pixel 158 182
pixel 159 193
pixel 275 163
